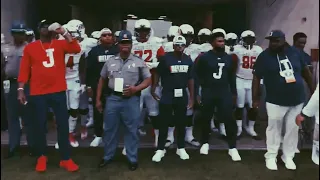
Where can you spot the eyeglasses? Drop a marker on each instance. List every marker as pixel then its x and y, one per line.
pixel 180 44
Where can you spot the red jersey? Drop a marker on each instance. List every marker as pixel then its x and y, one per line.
pixel 44 67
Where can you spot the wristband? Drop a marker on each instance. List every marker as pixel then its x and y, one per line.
pixel 20 89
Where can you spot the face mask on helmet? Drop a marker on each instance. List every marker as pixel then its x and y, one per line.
pixel 248 41
pixel 79 26
pixel 142 29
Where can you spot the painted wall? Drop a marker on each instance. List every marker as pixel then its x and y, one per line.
pixel 286 15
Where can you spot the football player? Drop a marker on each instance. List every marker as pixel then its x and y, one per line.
pixel 192 50
pixel 77 101
pixel 231 40
pixel 172 32
pixel 246 54
pixel 149 49
pixel 95 35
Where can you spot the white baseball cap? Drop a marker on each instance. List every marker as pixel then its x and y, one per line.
pixel 179 40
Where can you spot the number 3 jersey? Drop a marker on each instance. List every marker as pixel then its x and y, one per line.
pixel 246 59
pixel 149 51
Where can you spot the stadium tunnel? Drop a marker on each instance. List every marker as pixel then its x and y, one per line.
pixel 97 14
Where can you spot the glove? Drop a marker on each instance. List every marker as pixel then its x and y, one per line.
pixel 152 65
pixel 83 88
pixel 54 26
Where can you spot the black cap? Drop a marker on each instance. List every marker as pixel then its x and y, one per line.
pixel 276 34
pixel 44 22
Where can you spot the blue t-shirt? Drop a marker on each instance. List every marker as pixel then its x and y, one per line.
pixel 215 75
pixel 278 91
pixel 175 74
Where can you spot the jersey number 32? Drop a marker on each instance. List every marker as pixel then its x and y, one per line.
pixel 146 52
pixel 248 62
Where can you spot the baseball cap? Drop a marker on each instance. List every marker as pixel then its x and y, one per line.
pixel 125 35
pixel 105 30
pixel 179 40
pixel 276 34
pixel 44 22
pixel 18 26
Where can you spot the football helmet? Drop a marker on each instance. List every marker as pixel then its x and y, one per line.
pixel 78 25
pixel 117 33
pixel 231 36
pixel 186 29
pixel 142 24
pixel 219 30
pixel 73 30
pixel 204 32
pixel 248 38
pixel 173 31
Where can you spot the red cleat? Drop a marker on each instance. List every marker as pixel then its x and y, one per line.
pixel 41 164
pixel 69 165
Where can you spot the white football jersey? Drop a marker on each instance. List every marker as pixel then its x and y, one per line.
pixel 87 44
pixel 192 51
pixel 205 47
pixel 168 47
pixel 72 70
pixel 246 60
pixel 148 51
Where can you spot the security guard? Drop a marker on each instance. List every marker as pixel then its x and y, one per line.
pixel 13 53
pixel 176 72
pixel 95 61
pixel 126 75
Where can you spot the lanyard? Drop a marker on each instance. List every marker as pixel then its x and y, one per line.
pixel 291 68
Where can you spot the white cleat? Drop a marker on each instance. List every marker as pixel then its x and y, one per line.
pixel 142 132
pixel 96 142
pixel 124 152
pixel 271 164
pixel 250 130
pixel 158 155
pixel 234 154
pixel 289 163
pixel 182 154
pixel 204 149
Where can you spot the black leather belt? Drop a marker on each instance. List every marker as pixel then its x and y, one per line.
pixel 120 94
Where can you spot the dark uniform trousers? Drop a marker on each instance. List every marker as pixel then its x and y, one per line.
pixel 224 107
pixel 40 104
pixel 172 114
pixel 15 110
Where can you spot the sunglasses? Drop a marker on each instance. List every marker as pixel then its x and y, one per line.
pixel 180 44
pixel 106 35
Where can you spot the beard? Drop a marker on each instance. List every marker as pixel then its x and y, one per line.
pixel 277 49
pixel 220 49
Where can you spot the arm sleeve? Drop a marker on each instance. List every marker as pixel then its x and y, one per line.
pixel 258 68
pixel 25 66
pixel 145 71
pixel 313 105
pixel 104 71
pixel 90 61
pixel 72 47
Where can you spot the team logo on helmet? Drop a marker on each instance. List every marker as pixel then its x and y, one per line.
pixel 125 36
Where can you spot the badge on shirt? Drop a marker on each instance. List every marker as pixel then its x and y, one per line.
pixel 118 84
pixel 289 76
pixel 287 72
pixel 178 93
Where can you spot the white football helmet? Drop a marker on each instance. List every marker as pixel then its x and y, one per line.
pixel 219 30
pixel 142 24
pixel 79 25
pixel 204 32
pixel 117 33
pixel 95 34
pixel 248 33
pixel 232 36
pixel 186 29
pixel 73 30
pixel 173 31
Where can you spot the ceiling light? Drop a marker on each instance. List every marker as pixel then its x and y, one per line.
pixel 125 20
pixel 130 15
pixel 161 18
pixel 134 17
